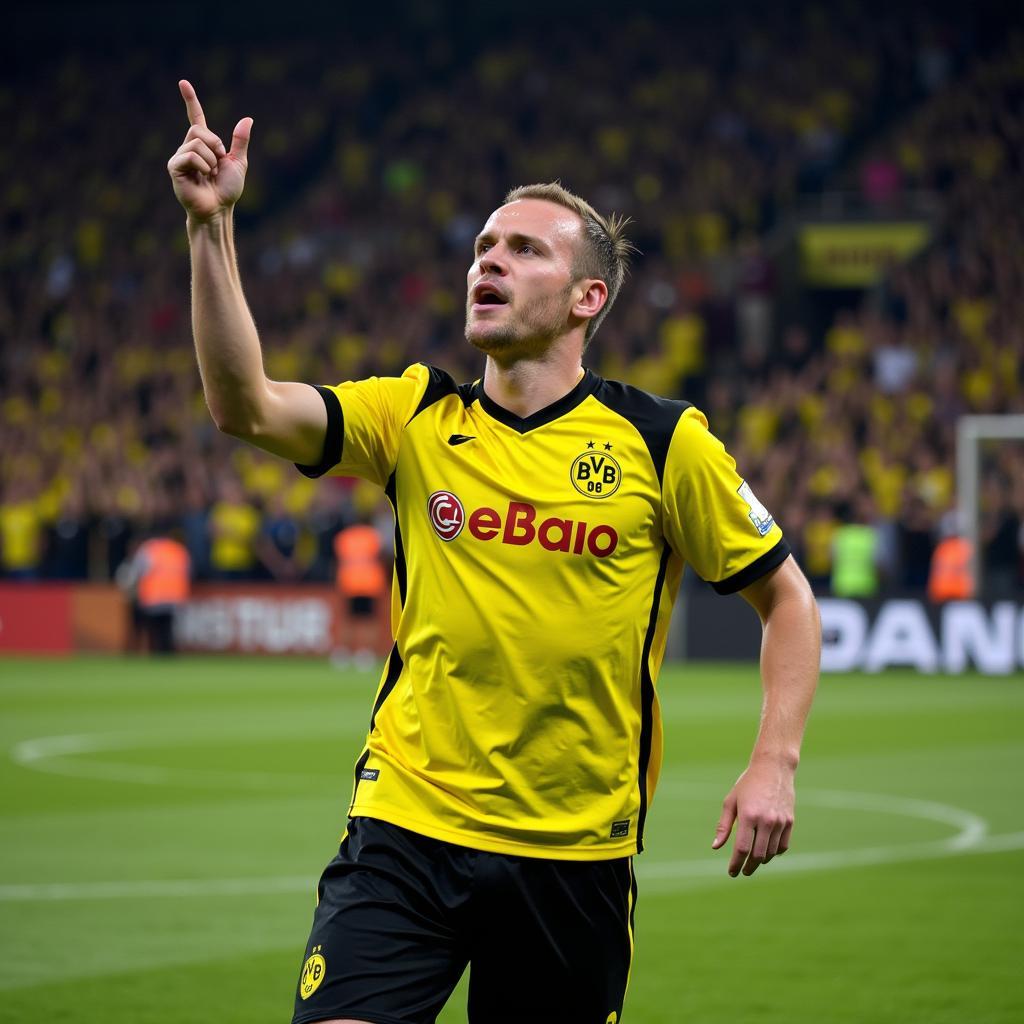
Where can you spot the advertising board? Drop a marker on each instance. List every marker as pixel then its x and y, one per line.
pixel 869 636
pixel 856 255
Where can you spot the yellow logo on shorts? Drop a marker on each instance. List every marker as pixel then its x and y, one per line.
pixel 612 1018
pixel 313 971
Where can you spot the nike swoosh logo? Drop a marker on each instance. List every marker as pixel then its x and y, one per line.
pixel 459 439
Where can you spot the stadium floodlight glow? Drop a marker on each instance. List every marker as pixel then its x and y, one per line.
pixel 970 432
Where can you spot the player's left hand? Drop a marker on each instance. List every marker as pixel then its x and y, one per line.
pixel 761 806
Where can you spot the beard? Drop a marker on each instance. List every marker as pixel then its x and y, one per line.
pixel 524 332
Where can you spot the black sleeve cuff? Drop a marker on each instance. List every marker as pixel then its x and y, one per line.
pixel 753 572
pixel 333 437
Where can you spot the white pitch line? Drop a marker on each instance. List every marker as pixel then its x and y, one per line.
pixel 659 875
pixel 153 775
pixel 699 870
pixel 56 755
pixel 46 892
pixel 972 828
pixel 972 835
pixel 665 876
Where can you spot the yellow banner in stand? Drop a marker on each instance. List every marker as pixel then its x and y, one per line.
pixel 856 255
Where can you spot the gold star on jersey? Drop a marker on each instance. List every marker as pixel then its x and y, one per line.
pixel 536 563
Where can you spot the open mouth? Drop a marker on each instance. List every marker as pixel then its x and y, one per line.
pixel 488 295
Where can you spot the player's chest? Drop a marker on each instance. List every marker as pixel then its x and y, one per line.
pixel 579 488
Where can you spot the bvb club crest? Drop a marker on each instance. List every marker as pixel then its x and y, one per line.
pixel 595 473
pixel 313 971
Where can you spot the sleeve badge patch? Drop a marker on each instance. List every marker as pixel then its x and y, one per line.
pixel 757 513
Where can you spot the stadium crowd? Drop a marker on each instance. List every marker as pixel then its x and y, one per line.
pixel 371 173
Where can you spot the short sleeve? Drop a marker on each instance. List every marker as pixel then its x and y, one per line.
pixel 712 517
pixel 365 420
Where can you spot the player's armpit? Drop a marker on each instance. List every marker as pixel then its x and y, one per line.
pixel 290 422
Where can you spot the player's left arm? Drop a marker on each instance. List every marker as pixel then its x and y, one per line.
pixel 761 804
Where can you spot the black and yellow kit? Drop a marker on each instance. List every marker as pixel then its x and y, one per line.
pixel 537 561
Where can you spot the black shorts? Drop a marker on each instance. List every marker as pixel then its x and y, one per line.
pixel 399 916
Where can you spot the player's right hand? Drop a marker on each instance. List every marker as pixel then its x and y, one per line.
pixel 207 178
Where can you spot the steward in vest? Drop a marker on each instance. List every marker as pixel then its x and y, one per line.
pixel 950 577
pixel 163 568
pixel 855 547
pixel 361 581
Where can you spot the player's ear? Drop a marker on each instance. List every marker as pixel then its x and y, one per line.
pixel 591 302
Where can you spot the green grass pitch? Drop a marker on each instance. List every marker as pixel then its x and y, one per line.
pixel 163 826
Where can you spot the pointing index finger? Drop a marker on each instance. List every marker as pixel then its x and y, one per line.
pixel 192 105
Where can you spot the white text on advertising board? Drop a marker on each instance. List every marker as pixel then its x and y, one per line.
pixel 962 635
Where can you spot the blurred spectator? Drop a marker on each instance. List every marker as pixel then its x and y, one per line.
pixel 754 308
pixel 881 181
pixel 127 576
pixel 819 534
pixel 1001 542
pixel 917 542
pixel 21 531
pixel 195 521
pixel 234 529
pixel 278 542
pixel 895 365
pixel 68 547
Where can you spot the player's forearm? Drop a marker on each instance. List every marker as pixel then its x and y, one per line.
pixel 227 345
pixel 790 658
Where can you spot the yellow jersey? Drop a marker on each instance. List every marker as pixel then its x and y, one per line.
pixel 21 536
pixel 536 564
pixel 235 529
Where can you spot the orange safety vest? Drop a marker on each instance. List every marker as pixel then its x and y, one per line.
pixel 950 576
pixel 165 578
pixel 360 573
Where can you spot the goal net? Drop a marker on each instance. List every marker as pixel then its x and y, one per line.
pixel 989 484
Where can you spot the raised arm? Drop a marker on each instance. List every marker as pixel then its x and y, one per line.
pixel 761 804
pixel 286 419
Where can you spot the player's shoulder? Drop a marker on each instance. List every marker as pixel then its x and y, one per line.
pixel 633 402
pixel 653 416
pixel 433 385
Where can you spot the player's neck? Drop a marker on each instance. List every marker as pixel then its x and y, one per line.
pixel 529 385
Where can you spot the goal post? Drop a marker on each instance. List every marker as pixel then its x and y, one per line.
pixel 971 431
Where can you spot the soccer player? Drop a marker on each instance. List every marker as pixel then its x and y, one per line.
pixel 543 519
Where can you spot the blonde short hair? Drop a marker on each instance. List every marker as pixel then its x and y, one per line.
pixel 605 251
